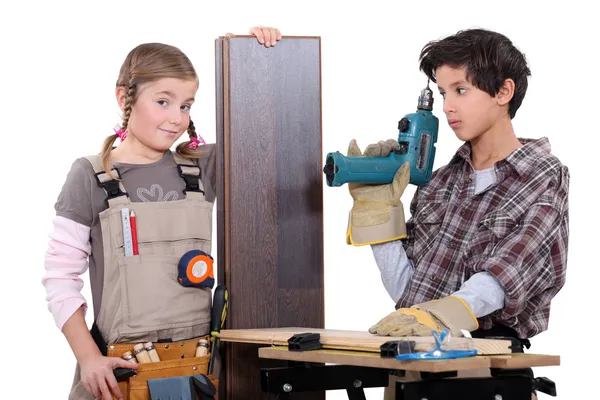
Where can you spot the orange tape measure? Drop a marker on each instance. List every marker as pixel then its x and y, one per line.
pixel 196 269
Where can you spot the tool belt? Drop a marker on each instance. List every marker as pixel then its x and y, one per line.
pixel 177 359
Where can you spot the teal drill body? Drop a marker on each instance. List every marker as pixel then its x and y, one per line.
pixel 417 137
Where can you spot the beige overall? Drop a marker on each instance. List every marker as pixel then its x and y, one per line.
pixel 142 301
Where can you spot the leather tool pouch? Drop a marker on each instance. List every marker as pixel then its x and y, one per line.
pixel 176 359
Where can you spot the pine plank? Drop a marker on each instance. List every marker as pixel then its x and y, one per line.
pixel 355 340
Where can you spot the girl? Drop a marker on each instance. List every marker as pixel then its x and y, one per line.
pixel 136 293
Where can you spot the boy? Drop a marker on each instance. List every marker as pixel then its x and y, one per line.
pixel 485 249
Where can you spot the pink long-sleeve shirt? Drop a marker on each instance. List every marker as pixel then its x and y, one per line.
pixel 65 261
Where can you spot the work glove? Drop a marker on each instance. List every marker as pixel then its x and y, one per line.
pixel 377 215
pixel 450 313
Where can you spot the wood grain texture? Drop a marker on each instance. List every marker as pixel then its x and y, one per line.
pixel 364 359
pixel 356 340
pixel 289 301
pixel 220 127
pixel 521 360
pixel 270 222
pixel 252 269
pixel 220 198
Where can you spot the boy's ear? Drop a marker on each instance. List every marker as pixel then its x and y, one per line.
pixel 121 94
pixel 506 93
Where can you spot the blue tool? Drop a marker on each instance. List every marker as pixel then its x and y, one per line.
pixel 417 138
pixel 438 352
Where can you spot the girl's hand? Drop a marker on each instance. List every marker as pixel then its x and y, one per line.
pixel 98 377
pixel 265 35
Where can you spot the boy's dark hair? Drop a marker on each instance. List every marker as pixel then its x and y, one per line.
pixel 489 57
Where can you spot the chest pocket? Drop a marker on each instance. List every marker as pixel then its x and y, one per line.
pixel 493 229
pixel 432 214
pixel 499 223
pixel 427 225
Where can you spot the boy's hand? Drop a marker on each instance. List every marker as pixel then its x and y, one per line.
pixel 406 322
pixel 420 320
pixel 377 215
pixel 382 148
pixel 265 35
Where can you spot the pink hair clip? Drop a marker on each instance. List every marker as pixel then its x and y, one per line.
pixel 120 132
pixel 195 143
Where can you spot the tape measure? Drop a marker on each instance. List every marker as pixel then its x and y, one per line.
pixel 127 239
pixel 195 269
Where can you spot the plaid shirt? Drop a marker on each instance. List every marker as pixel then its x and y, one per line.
pixel 517 230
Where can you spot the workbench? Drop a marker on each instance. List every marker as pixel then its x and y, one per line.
pixel 352 361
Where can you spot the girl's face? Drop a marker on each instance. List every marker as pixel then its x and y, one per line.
pixel 161 112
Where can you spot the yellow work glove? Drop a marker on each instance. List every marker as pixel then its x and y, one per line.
pixel 450 313
pixel 377 215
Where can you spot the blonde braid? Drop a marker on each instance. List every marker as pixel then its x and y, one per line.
pixel 192 130
pixel 110 141
pixel 128 103
pixel 183 148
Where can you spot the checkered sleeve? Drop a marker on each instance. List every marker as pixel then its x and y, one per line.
pixel 529 261
pixel 408 242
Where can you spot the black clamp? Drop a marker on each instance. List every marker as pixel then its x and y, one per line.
pixel 305 341
pixel 545 385
pixel 123 374
pixel 191 181
pixel 395 347
pixel 112 187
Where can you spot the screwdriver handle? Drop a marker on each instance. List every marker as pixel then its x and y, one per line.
pixel 219 311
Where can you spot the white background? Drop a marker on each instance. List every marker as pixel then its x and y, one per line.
pixel 59 64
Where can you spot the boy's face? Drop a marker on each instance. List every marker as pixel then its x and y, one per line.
pixel 470 111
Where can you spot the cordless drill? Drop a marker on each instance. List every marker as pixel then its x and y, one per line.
pixel 417 138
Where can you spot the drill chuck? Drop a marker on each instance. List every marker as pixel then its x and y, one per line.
pixel 426 99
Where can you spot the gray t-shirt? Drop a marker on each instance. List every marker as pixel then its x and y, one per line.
pixel 484 178
pixel 82 200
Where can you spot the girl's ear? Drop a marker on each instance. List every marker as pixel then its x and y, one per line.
pixel 506 93
pixel 121 94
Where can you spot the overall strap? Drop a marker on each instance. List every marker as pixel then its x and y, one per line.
pixel 192 176
pixel 115 191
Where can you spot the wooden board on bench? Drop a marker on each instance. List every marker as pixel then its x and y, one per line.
pixel 355 340
pixel 371 359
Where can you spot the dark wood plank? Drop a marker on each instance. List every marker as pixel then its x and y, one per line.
pixel 291 301
pixel 252 184
pixel 270 228
pixel 220 200
pixel 219 167
pixel 299 171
